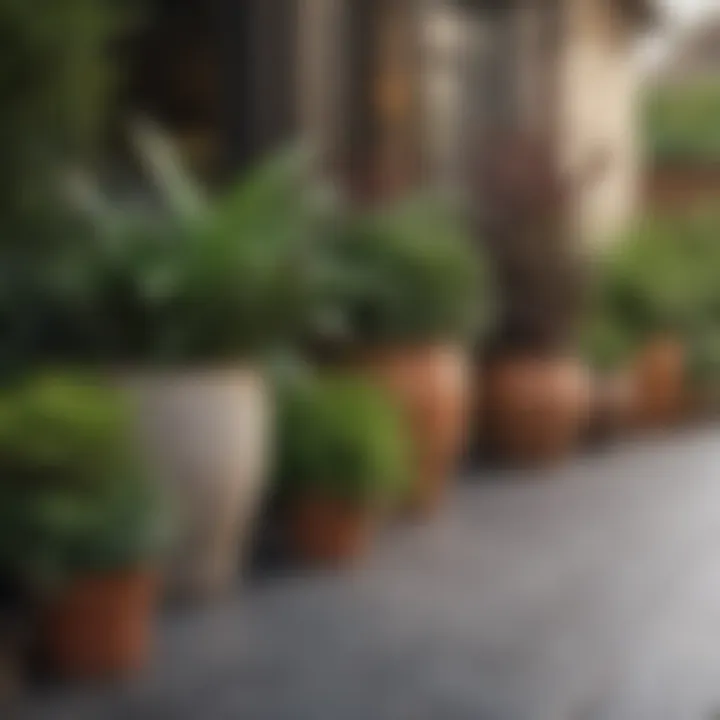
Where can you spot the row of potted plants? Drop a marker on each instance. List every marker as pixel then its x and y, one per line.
pixel 587 346
pixel 652 334
pixel 175 322
pixel 171 324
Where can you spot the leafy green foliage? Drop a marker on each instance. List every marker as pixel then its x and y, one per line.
pixel 660 279
pixel 56 79
pixel 73 497
pixel 683 122
pixel 340 437
pixel 204 281
pixel 404 273
pixel 605 343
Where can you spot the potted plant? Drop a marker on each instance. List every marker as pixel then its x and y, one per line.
pixel 81 523
pixel 657 287
pixel 538 393
pixel 182 305
pixel 410 299
pixel 343 459
pixel 608 351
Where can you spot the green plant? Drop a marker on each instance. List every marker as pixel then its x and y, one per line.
pixel 340 437
pixel 683 122
pixel 605 344
pixel 203 280
pixel 57 76
pixel 405 273
pixel 660 279
pixel 73 497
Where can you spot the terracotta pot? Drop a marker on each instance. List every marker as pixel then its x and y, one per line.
pixel 433 387
pixel 101 626
pixel 536 408
pixel 660 379
pixel 702 404
pixel 329 532
pixel 614 404
pixel 206 437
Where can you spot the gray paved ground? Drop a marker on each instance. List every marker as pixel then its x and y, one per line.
pixel 589 593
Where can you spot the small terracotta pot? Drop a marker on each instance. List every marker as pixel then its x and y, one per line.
pixel 537 408
pixel 614 403
pixel 432 385
pixel 325 531
pixel 101 625
pixel 660 379
pixel 702 404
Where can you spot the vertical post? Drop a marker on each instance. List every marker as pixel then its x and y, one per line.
pixel 552 32
pixel 320 82
pixel 258 69
pixel 380 144
pixel 398 98
pixel 359 133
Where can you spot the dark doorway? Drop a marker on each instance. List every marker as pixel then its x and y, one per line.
pixel 219 76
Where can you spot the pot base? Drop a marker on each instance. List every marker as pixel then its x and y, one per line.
pixel 536 408
pixel 329 532
pixel 101 626
pixel 660 381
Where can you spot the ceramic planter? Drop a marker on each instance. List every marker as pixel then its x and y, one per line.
pixel 660 380
pixel 206 437
pixel 433 386
pixel 101 626
pixel 537 408
pixel 323 531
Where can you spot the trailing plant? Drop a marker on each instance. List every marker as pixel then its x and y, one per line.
pixel 405 273
pixel 73 497
pixel 341 438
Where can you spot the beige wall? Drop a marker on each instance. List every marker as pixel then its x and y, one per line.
pixel 598 96
pixel 598 114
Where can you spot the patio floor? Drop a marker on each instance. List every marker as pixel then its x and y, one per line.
pixel 586 593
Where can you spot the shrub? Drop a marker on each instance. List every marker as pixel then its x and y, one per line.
pixel 73 498
pixel 405 273
pixel 340 437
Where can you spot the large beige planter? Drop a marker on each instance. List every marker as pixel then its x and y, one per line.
pixel 206 436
